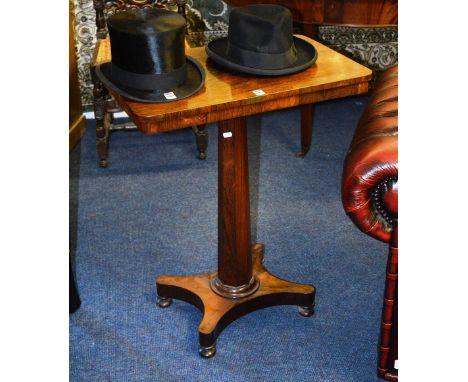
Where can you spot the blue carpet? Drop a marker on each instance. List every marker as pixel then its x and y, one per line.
pixel 154 212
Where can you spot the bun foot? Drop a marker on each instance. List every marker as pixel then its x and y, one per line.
pixel 164 302
pixel 201 156
pixel 103 163
pixel 303 152
pixel 219 311
pixel 207 352
pixel 306 311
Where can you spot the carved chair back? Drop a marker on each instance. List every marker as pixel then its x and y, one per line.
pixel 107 7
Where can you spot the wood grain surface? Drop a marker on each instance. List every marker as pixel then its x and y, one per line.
pixel 234 258
pixel 227 95
pixel 218 311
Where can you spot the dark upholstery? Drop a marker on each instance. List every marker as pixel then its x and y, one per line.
pixel 370 198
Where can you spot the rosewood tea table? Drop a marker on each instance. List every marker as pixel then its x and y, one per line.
pixel 241 283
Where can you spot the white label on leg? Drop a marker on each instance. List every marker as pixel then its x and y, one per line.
pixel 227 134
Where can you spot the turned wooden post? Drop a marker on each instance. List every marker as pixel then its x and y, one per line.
pixel 100 19
pixel 102 121
pixel 390 297
pixel 181 7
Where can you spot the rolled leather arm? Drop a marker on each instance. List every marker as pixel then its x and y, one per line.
pixel 369 188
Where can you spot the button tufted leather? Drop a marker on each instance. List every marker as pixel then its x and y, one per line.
pixel 370 175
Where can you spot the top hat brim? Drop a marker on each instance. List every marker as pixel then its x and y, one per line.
pixel 193 82
pixel 306 56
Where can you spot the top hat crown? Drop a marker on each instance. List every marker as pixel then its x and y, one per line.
pixel 148 56
pixel 154 36
pixel 260 41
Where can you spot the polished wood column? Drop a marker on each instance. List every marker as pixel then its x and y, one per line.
pixel 234 258
pixel 242 284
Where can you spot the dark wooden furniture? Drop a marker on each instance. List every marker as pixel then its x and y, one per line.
pixel 77 122
pixel 370 198
pixel 241 283
pixel 104 105
pixel 309 14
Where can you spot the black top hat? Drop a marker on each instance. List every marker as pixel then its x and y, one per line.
pixel 260 41
pixel 148 57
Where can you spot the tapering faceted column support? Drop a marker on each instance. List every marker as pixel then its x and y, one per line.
pixel 307 119
pixel 234 278
pixel 242 284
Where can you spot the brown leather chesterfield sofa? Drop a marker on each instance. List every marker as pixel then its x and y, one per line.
pixel 370 198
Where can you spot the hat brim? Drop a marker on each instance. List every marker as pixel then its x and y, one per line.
pixel 194 81
pixel 306 56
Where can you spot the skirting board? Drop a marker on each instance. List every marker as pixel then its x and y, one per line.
pixel 90 115
pixel 75 131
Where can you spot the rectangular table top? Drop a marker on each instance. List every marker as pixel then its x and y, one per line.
pixel 227 94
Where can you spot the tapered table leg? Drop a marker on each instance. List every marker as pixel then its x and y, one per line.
pixel 307 117
pixel 201 136
pixel 241 284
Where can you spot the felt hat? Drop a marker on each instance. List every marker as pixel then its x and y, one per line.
pixel 260 41
pixel 148 57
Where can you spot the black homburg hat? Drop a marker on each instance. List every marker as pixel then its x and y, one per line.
pixel 260 41
pixel 148 57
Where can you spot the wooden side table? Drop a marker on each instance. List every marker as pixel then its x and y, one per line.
pixel 241 283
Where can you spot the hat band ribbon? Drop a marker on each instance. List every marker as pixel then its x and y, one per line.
pixel 261 60
pixel 149 82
